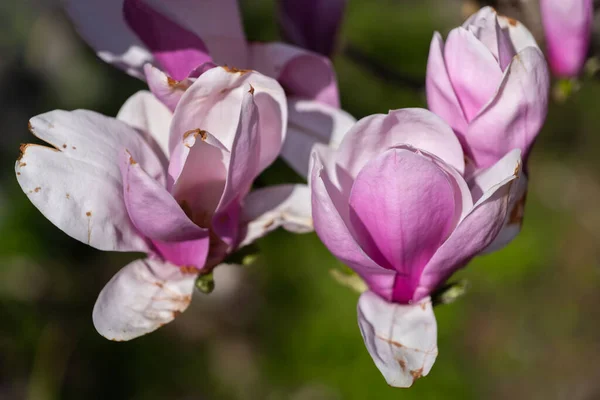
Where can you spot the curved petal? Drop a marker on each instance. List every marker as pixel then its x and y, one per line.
pixel 519 35
pixel 331 222
pixel 77 184
pixel 568 29
pixel 441 98
pixel 402 207
pixel 118 45
pixel 269 208
pixel 414 127
pixel 401 339
pixel 143 111
pixel 143 296
pixel 514 218
pixel 177 49
pixel 302 73
pixel 217 22
pixel 213 103
pixel 312 122
pixel 474 72
pixel 165 88
pixel 313 24
pixel 517 112
pixel 480 227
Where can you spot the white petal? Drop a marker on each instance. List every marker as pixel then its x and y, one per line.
pixel 143 296
pixel 520 36
pixel 312 122
pixel 287 206
pixel 144 112
pixel 401 339
pixel 77 184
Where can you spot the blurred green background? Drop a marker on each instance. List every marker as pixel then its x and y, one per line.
pixel 283 328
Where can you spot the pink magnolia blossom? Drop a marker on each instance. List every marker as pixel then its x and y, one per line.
pixel 184 38
pixel 490 82
pixel 312 24
pixel 392 204
pixel 568 30
pixel 109 183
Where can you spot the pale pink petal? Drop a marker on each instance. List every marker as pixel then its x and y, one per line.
pixel 516 114
pixel 441 98
pixel 77 184
pixel 301 72
pixel 213 103
pixel 143 296
pixel 401 339
pixel 480 227
pixel 312 122
pixel 415 127
pixel 144 112
pixel 519 35
pixel 177 49
pixel 117 45
pixel 266 209
pixel 217 22
pixel 165 88
pixel 331 222
pixel 474 72
pixel 402 207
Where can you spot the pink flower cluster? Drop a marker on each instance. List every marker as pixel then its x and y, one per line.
pixel 404 199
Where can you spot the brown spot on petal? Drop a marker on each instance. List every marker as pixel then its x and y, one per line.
pixel 29 126
pixel 68 196
pixel 235 70
pixel 402 364
pixel 22 149
pixel 423 306
pixel 89 213
pixel 518 211
pixel 188 269
pixel 512 21
pixel 131 160
pixel 37 189
pixel 416 373
pixel 251 91
pixel 392 342
pixel 196 132
pixel 176 313
pixel 172 82
pixel 269 224
pixel 74 148
pixel 18 173
pixel 64 146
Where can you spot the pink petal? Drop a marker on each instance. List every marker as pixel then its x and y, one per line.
pixel 302 73
pixel 331 222
pixel 401 339
pixel 568 28
pixel 441 98
pixel 213 103
pixel 415 127
pixel 516 114
pixel 177 49
pixel 480 227
pixel 144 112
pixel 269 208
pixel 312 24
pixel 217 22
pixel 402 207
pixel 77 184
pixel 118 45
pixel 473 70
pixel 311 122
pixel 143 296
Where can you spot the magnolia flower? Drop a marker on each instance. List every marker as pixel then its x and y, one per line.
pixel 568 30
pixel 185 38
pixel 312 24
pixel 490 82
pixel 109 183
pixel 392 204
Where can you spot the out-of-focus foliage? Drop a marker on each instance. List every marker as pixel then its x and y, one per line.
pixel 282 328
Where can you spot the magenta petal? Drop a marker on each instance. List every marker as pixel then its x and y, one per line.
pixel 301 73
pixel 568 30
pixel 312 24
pixel 405 205
pixel 178 50
pixel 480 226
pixel 441 98
pixel 474 72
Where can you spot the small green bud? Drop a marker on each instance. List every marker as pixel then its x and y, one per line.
pixel 206 283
